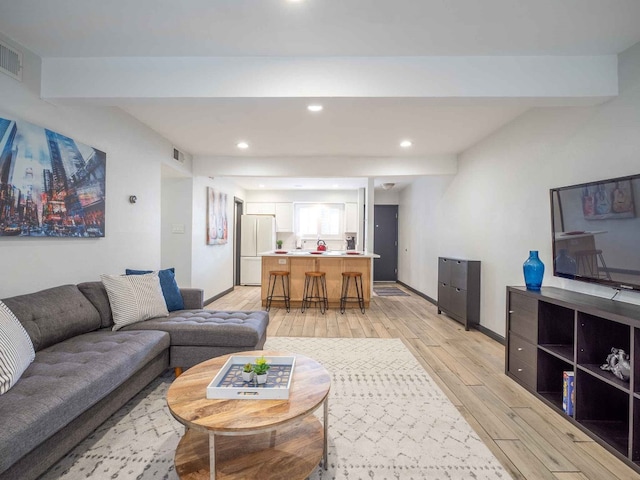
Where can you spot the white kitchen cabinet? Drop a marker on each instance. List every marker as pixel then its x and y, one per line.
pixel 284 217
pixel 260 208
pixel 351 217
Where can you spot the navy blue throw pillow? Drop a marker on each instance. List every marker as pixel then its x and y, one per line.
pixel 170 290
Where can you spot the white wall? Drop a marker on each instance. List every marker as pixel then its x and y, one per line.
pixel 418 233
pixel 212 265
pixel 184 202
pixel 387 197
pixel 177 211
pixel 497 208
pixel 134 155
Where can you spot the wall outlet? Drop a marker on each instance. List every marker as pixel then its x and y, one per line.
pixel 282 261
pixel 177 228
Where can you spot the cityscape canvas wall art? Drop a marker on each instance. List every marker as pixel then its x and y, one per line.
pixel 50 184
pixel 216 217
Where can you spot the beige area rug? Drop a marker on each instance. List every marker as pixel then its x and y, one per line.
pixel 387 420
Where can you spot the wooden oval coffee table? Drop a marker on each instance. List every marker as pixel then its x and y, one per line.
pixel 239 439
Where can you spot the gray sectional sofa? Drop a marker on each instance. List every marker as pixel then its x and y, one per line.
pixel 84 372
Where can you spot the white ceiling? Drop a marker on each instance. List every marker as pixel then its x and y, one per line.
pixel 81 28
pixel 345 127
pixel 363 127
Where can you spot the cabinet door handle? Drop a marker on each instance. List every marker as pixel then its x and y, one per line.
pixel 457 289
pixel 519 369
pixel 519 349
pixel 511 311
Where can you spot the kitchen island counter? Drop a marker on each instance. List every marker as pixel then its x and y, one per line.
pixel 332 262
pixel 315 253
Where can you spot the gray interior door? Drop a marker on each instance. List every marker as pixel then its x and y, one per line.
pixel 385 243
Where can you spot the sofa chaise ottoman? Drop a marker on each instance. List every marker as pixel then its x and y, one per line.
pixel 196 334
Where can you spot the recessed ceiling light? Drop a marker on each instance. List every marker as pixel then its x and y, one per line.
pixel 335 185
pixel 261 185
pixel 406 143
pixel 315 108
pixel 242 145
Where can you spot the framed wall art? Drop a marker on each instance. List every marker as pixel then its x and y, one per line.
pixel 216 217
pixel 50 185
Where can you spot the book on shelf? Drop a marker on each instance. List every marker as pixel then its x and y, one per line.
pixel 568 392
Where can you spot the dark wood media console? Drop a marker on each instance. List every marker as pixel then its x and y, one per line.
pixel 555 330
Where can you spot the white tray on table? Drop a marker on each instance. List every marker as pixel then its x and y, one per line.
pixel 228 383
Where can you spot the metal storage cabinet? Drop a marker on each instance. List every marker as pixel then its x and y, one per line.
pixel 459 290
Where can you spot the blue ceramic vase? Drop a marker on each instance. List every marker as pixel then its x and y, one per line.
pixel 533 271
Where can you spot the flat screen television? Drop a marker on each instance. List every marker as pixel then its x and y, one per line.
pixel 596 232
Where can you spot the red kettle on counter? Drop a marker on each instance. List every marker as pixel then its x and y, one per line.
pixel 322 246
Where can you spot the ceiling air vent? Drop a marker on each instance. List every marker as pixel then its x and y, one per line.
pixel 10 61
pixel 178 155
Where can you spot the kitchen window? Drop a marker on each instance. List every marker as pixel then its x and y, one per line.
pixel 319 220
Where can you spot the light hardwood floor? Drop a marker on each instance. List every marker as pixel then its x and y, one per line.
pixel 531 440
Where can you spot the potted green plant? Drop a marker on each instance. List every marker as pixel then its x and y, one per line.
pixel 279 244
pixel 260 369
pixel 247 372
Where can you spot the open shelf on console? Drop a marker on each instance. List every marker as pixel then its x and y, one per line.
pixel 550 377
pixel 605 376
pixel 615 433
pixel 555 398
pixel 603 409
pixel 564 352
pixel 556 329
pixel 596 337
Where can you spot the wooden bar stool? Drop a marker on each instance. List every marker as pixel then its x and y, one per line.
pixel 344 298
pixel 273 279
pixel 315 291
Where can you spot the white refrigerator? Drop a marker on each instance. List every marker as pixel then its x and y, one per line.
pixel 258 235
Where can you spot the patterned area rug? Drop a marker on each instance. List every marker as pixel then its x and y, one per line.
pixel 390 292
pixel 387 420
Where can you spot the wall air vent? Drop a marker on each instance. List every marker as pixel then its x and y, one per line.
pixel 178 155
pixel 10 61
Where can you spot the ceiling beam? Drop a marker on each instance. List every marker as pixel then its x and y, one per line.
pixel 111 80
pixel 317 166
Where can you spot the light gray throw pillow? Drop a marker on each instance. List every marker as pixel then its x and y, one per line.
pixel 134 298
pixel 16 349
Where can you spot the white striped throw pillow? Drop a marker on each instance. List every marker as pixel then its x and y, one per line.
pixel 134 298
pixel 16 349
